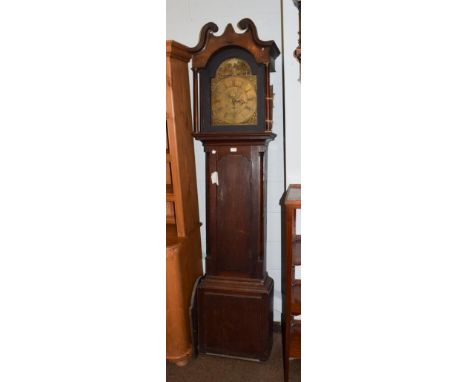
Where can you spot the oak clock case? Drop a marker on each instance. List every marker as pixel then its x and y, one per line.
pixel 232 118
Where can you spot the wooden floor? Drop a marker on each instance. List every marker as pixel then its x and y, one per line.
pixel 220 369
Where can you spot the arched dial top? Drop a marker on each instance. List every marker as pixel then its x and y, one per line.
pixel 234 94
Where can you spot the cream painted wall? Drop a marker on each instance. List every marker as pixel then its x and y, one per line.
pixel 184 19
pixel 292 100
pixel 292 93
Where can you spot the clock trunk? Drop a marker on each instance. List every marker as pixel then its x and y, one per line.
pixel 235 205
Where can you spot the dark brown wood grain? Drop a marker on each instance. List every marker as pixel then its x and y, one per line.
pixel 195 101
pixel 235 317
pixel 235 297
pixel 234 214
pixel 236 208
pixel 263 51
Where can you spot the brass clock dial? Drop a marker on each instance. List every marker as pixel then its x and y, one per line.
pixel 234 94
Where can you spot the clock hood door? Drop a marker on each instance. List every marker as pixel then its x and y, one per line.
pixel 226 100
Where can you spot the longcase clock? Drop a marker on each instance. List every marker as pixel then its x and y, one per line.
pixel 233 119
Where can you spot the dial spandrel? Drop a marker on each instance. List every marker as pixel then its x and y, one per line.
pixel 234 94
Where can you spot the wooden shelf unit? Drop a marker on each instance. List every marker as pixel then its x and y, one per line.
pixel 291 325
pixel 183 245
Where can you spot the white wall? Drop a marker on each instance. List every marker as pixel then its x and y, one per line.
pixel 292 87
pixel 184 19
pixel 292 100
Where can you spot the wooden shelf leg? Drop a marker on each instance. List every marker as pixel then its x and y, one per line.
pixel 286 350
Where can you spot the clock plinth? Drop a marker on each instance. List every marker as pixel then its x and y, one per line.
pixel 233 121
pixel 235 317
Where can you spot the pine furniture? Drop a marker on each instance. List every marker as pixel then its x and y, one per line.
pixel 183 246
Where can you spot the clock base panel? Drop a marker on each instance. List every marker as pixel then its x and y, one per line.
pixel 235 318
